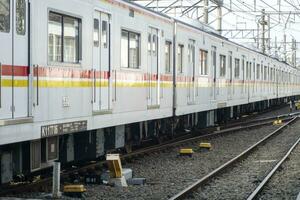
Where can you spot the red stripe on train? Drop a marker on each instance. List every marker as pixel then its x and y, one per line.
pixel 8 70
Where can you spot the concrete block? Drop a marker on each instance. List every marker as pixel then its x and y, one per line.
pixel 136 181
pixel 118 182
pixel 127 173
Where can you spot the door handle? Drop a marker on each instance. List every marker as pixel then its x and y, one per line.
pixel 36 69
pixel 94 99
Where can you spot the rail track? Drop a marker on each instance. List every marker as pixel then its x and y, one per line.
pixel 45 183
pixel 189 190
pixel 264 182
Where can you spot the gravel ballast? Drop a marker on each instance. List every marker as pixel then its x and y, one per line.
pixel 167 174
pixel 285 183
pixel 240 180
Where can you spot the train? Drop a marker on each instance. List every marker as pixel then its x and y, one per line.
pixel 80 78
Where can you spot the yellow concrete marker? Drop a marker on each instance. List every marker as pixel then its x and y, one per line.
pixel 187 152
pixel 74 189
pixel 277 122
pixel 114 165
pixel 205 145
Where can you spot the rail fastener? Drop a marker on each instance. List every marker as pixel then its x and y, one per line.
pixel 186 152
pixel 277 122
pixel 205 145
pixel 74 190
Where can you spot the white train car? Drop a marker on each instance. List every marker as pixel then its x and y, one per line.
pixel 79 78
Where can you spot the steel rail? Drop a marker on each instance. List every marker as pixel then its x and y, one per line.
pixel 243 126
pixel 272 172
pixel 212 174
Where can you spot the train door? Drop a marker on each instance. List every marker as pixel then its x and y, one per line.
pixel 214 72
pixel 229 87
pixel 13 59
pixel 153 72
pixel 191 71
pixel 101 62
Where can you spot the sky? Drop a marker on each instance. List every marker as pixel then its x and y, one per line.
pixel 244 14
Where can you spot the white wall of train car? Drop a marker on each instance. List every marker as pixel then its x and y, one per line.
pixel 192 96
pixel 131 102
pixel 131 88
pixel 52 89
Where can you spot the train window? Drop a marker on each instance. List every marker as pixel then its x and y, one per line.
pixel 4 16
pixel 265 73
pixel 104 34
pixel 149 43
pixel 96 32
pixel 180 58
pixel 63 42
pixel 237 68
pixel 249 71
pixel 124 48
pixel 257 71
pixel 55 38
pixel 230 65
pixel 70 38
pixel 203 62
pixel 168 56
pixel 222 65
pixel 243 68
pixel 154 45
pixel 130 49
pixel 20 17
pixel 247 68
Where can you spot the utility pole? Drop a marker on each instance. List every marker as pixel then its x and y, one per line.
pixel 205 11
pixel 269 35
pixel 284 47
pixel 263 24
pixel 276 50
pixel 258 35
pixel 219 19
pixel 294 48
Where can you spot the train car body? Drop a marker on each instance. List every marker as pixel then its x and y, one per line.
pixel 82 77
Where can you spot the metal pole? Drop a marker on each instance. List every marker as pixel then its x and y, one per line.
pixel 284 47
pixel 263 23
pixel 205 12
pixel 276 52
pixel 56 180
pixel 258 36
pixel 269 35
pixel 219 25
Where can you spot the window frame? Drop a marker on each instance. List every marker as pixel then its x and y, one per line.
pixel 128 48
pixel 79 39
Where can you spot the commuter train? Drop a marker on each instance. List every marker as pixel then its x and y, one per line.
pixel 79 78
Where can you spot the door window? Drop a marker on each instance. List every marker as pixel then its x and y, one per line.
pixel 180 58
pixel 168 56
pixel 104 34
pixel 96 33
pixel 21 17
pixel 4 16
